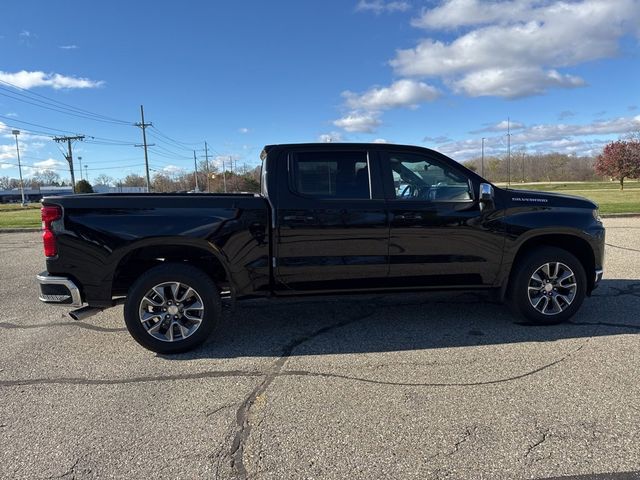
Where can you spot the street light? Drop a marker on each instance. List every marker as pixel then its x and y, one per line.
pixel 86 172
pixel 16 133
pixel 80 163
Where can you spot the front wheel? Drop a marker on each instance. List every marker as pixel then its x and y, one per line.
pixel 548 286
pixel 172 308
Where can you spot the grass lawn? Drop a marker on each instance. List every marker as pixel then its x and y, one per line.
pixel 13 215
pixel 606 194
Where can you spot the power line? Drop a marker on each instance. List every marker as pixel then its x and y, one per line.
pixel 56 104
pixel 178 142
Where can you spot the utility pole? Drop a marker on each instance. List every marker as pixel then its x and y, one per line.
pixel 206 157
pixel 86 172
pixel 195 169
pixel 69 156
pixel 16 133
pixel 482 161
pixel 144 126
pixel 508 152
pixel 224 175
pixel 234 176
pixel 80 163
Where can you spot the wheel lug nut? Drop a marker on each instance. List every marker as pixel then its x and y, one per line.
pixel 167 317
pixel 176 317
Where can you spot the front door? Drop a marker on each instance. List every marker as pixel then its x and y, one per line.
pixel 332 224
pixel 439 235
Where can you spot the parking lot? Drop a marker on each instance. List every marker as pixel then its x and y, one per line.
pixel 411 386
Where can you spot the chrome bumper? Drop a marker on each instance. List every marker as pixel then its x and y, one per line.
pixel 58 290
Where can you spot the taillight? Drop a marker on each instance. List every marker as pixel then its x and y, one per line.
pixel 49 214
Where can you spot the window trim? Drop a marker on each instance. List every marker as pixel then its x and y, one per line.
pixel 387 173
pixel 291 185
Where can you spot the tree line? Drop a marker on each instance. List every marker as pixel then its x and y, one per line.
pixel 619 160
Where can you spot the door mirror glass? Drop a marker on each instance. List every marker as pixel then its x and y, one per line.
pixel 486 192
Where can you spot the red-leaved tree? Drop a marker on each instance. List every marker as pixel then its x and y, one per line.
pixel 620 159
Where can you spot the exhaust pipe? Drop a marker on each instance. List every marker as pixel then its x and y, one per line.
pixel 84 312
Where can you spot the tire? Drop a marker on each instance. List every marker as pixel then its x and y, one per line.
pixel 549 301
pixel 175 322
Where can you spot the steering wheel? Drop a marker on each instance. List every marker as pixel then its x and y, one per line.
pixel 409 188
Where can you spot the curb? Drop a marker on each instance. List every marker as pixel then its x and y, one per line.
pixel 19 230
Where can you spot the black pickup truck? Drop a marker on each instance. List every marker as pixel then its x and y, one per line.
pixel 331 218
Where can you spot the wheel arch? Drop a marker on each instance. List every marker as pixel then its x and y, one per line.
pixel 142 257
pixel 572 243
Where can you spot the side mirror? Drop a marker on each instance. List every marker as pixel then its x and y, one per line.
pixel 486 196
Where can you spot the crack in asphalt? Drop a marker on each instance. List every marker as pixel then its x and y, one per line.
pixel 543 438
pixel 622 248
pixel 243 423
pixel 133 380
pixel 448 384
pixel 86 326
pixel 271 374
pixel 467 435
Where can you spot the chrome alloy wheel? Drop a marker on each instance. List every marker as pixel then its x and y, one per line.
pixel 171 311
pixel 552 288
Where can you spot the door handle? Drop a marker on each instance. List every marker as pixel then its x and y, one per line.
pixel 298 218
pixel 408 216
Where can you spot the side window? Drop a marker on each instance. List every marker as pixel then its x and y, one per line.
pixel 416 177
pixel 330 174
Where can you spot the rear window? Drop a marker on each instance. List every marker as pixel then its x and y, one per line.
pixel 330 174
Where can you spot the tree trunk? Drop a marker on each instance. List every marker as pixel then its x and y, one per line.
pixel 621 183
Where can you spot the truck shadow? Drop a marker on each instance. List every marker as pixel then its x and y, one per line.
pixel 401 322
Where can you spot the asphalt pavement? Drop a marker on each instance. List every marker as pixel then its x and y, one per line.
pixel 415 386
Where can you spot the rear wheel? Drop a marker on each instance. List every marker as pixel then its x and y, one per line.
pixel 547 286
pixel 172 308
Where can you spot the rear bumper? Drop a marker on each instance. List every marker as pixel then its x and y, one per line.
pixel 59 290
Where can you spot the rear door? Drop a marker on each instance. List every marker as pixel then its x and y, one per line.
pixel 332 224
pixel 439 236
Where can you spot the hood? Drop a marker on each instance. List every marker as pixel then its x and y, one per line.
pixel 536 197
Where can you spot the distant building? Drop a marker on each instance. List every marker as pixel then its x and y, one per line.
pixel 36 194
pixel 118 189
pixel 33 194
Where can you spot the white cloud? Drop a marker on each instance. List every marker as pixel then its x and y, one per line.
pixel 501 126
pixel 380 140
pixel 172 170
pixel 380 6
pixel 50 164
pixel 514 48
pixel 513 82
pixel 402 93
pixel 68 47
pixel 7 152
pixel 244 130
pixel 359 122
pixel 27 80
pixel 565 138
pixel 331 137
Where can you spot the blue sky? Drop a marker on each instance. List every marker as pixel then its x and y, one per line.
pixel 240 75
